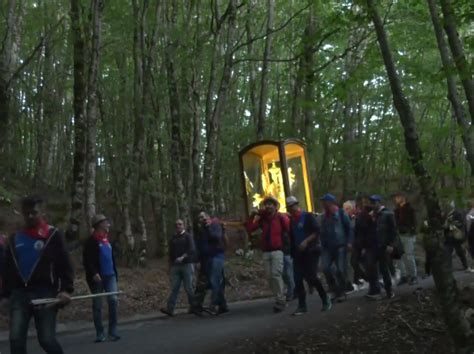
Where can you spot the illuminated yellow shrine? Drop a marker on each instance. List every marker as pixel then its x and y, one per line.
pixel 278 169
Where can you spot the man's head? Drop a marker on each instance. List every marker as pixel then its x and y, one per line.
pixel 100 223
pixel 179 224
pixel 349 207
pixel 270 205
pixel 375 201
pixel 204 218
pixel 292 205
pixel 32 209
pixel 399 199
pixel 328 201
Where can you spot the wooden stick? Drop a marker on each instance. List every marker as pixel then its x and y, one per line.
pixel 49 301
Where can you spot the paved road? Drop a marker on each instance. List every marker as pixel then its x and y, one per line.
pixel 189 334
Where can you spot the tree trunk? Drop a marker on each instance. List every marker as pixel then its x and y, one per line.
pixel 175 117
pixel 208 185
pixel 464 69
pixel 453 310
pixel 262 106
pixel 453 95
pixel 80 129
pixel 8 60
pixel 93 109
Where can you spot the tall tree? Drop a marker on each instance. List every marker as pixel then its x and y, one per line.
pixel 93 107
pixel 262 104
pixel 457 49
pixel 80 124
pixel 453 310
pixel 467 133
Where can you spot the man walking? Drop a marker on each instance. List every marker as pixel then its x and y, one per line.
pixel 304 235
pixel 275 228
pixel 210 243
pixel 336 239
pixel 37 265
pixel 406 222
pixel 181 252
pixel 101 276
pixel 379 254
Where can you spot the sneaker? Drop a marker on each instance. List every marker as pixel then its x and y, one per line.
pixel 376 296
pixel 223 310
pixel 301 310
pixel 277 308
pixel 469 270
pixel 341 298
pixel 197 310
pixel 100 338
pixel 212 310
pixel 390 295
pixel 327 305
pixel 114 337
pixel 403 280
pixel 167 312
pixel 413 281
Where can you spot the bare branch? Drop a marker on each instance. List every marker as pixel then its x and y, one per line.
pixel 286 23
pixel 33 53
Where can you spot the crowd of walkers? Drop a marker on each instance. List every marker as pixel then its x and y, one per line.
pixel 359 245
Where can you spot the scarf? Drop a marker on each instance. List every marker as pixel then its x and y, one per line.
pixel 40 231
pixel 297 215
pixel 333 209
pixel 101 236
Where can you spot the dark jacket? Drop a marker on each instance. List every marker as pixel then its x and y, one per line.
pixel 53 270
pixel 91 259
pixel 365 233
pixel 405 217
pixel 2 260
pixel 336 230
pixel 275 232
pixel 181 244
pixel 386 228
pixel 210 241
pixel 301 229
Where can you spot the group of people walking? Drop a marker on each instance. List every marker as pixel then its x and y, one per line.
pixel 365 239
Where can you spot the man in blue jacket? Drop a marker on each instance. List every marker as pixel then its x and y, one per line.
pixel 210 244
pixel 305 249
pixel 336 239
pixel 37 265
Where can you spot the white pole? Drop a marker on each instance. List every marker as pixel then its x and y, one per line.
pixel 49 301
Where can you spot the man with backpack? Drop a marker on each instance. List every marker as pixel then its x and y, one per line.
pixel 336 240
pixel 275 228
pixel 305 247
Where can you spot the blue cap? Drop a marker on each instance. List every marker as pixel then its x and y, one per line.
pixel 328 197
pixel 375 198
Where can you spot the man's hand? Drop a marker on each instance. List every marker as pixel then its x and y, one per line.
pixel 179 260
pixel 256 218
pixel 389 249
pixel 97 278
pixel 349 247
pixel 363 252
pixel 4 307
pixel 64 298
pixel 302 246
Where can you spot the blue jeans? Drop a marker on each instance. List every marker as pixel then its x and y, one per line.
pixel 181 273
pixel 108 284
pixel 211 276
pixel 338 257
pixel 21 312
pixel 288 276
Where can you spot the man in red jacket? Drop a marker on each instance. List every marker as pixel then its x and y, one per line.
pixel 275 228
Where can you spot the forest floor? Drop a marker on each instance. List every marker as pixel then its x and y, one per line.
pixel 410 323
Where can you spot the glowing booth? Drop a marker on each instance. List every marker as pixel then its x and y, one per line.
pixel 276 168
